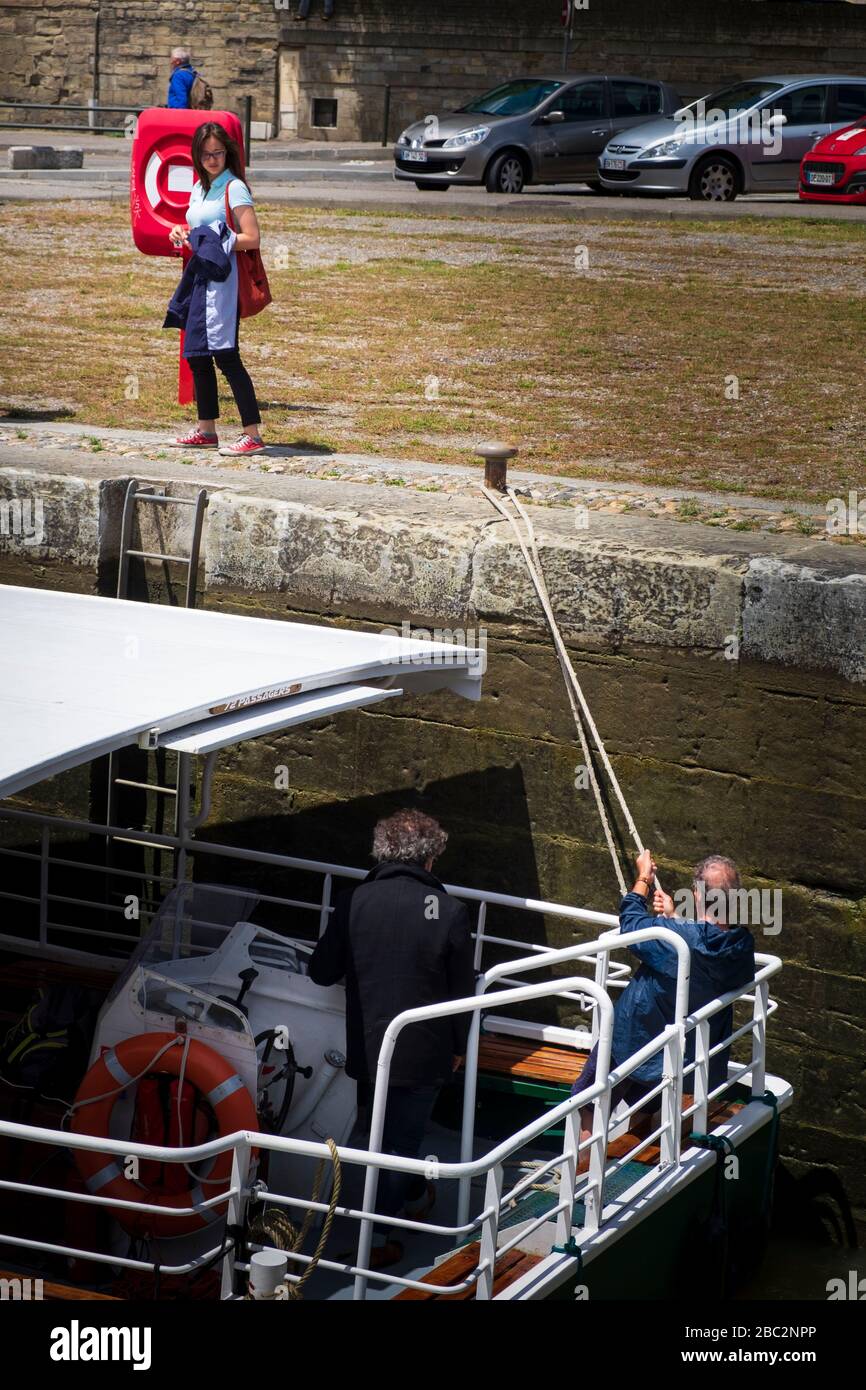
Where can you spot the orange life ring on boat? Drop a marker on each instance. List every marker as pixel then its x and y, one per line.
pixel 103 1173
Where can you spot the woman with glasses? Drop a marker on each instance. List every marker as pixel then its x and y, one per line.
pixel 216 159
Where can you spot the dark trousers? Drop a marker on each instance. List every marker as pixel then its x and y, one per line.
pixel 238 378
pixel 629 1090
pixel 406 1115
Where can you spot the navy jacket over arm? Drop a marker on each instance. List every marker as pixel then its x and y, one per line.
pixel 722 959
pixel 211 261
pixel 400 942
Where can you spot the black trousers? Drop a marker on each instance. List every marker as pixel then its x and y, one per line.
pixel 406 1115
pixel 238 378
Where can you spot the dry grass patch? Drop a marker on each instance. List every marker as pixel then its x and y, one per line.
pixel 416 335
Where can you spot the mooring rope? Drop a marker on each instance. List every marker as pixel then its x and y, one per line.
pixel 576 697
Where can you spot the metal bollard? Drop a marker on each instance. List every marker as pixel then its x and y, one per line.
pixel 496 455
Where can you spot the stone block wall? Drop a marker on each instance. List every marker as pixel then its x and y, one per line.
pixel 432 56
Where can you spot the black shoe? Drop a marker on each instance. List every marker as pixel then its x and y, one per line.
pixel 383 1256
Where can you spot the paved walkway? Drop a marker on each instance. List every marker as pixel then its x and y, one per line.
pixel 29 443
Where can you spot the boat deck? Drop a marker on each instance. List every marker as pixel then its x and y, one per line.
pixel 516 1064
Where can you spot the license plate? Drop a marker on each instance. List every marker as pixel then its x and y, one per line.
pixel 821 178
pixel 614 164
pixel 415 156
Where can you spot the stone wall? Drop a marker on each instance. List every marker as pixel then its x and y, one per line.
pixel 432 56
pixel 760 758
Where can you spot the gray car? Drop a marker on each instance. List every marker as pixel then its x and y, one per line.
pixel 746 138
pixel 529 130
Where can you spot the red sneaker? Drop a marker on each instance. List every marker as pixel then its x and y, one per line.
pixel 197 440
pixel 245 445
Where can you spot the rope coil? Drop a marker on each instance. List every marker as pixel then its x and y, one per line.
pixel 274 1228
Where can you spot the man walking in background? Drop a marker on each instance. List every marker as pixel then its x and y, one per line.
pixel 187 89
pixel 181 80
pixel 400 942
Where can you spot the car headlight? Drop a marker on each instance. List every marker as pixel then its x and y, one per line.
pixel 862 150
pixel 662 151
pixel 404 138
pixel 467 137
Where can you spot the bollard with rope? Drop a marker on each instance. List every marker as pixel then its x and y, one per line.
pixel 496 456
pixel 275 1230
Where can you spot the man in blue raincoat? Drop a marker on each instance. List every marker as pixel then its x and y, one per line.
pixel 722 959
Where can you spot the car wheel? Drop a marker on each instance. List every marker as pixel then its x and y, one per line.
pixel 506 174
pixel 715 180
pixel 432 187
pixel 594 186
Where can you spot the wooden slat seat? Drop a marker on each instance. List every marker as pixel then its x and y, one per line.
pixel 455 1269
pixel 531 1060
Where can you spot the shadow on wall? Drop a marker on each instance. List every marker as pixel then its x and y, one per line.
pixel 478 855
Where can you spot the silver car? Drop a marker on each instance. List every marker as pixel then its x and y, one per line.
pixel 529 130
pixel 746 138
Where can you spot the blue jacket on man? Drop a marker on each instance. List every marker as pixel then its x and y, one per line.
pixel 180 85
pixel 722 959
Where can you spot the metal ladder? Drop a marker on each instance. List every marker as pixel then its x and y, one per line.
pixel 159 498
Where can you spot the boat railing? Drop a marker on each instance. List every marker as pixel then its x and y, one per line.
pixel 485 1225
pixel 588 993
pixel 51 934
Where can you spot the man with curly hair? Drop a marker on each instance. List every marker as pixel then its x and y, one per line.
pixel 400 942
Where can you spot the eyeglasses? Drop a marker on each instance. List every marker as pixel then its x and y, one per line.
pixel 213 154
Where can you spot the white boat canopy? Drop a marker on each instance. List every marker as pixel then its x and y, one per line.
pixel 81 676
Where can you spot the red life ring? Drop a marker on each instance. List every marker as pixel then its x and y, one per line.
pixel 117 1068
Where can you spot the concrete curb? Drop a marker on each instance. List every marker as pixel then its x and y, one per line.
pixel 784 600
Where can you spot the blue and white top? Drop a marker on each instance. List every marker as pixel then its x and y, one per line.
pixel 222 296
pixel 205 211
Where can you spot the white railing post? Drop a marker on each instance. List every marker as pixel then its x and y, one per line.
pixel 235 1214
pixel 324 914
pixel 700 1118
pixel 602 962
pixel 489 1232
pixel 479 935
pixel 570 1165
pixel 672 1099
pixel 760 1015
pixel 470 1091
pixel 45 852
pixel 594 1200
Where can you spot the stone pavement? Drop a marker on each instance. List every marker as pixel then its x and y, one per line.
pixel 727 511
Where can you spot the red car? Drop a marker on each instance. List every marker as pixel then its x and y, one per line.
pixel 834 170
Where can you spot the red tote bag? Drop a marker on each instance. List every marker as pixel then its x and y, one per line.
pixel 254 292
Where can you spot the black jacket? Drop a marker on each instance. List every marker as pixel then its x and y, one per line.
pixel 401 942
